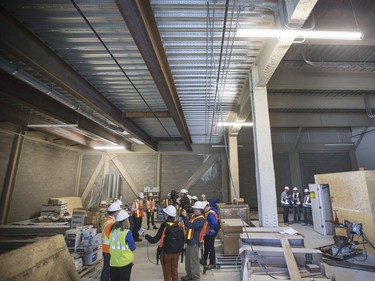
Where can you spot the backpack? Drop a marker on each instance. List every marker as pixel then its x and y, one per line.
pixel 174 239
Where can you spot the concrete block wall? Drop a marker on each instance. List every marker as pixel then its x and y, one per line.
pixel 44 171
pixel 6 141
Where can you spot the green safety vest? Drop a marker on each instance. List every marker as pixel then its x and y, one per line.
pixel 121 255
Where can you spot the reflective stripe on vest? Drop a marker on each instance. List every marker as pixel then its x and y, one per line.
pixel 121 255
pixel 106 229
pixel 206 216
pixel 139 212
pixel 167 201
pixel 190 231
pixel 150 205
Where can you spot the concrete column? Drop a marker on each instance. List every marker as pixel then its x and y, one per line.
pixel 264 169
pixel 233 159
pixel 295 170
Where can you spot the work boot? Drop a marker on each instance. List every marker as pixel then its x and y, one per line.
pixel 155 227
pixel 185 278
pixel 148 227
pixel 210 266
pixel 138 240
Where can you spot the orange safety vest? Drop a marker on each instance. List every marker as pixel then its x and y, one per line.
pixel 190 232
pixel 150 205
pixel 206 215
pixel 139 212
pixel 107 224
pixel 161 242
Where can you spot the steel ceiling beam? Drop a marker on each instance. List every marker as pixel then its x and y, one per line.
pixel 140 20
pixel 26 46
pixel 13 87
pixel 23 118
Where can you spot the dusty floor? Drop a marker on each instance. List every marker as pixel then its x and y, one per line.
pixel 145 268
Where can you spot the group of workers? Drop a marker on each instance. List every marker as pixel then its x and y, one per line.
pixel 190 225
pixel 295 201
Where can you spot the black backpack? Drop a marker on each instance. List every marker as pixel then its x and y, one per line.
pixel 174 239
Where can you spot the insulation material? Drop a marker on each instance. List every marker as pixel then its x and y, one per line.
pixel 353 199
pixel 48 259
pixel 72 202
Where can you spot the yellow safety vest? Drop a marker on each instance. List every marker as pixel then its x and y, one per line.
pixel 121 255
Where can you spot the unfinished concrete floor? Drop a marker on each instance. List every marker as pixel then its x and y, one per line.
pixel 145 269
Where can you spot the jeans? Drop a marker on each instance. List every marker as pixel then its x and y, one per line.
pixel 286 213
pixel 106 271
pixel 296 213
pixel 209 248
pixel 307 215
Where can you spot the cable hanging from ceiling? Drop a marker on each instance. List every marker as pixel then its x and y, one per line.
pixel 119 65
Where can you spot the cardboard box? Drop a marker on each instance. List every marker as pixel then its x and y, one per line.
pixel 73 239
pixel 231 244
pixel 92 256
pixel 232 226
pixel 72 202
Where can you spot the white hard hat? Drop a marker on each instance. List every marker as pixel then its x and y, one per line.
pixel 170 211
pixel 119 201
pixel 150 194
pixel 194 197
pixel 169 194
pixel 306 190
pixel 122 215
pixel 203 195
pixel 286 188
pixel 295 188
pixel 115 206
pixel 199 205
pixel 183 191
pixel 141 195
pixel 189 196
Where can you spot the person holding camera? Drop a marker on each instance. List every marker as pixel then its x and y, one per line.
pixel 171 237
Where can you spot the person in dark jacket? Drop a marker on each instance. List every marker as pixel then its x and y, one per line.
pixel 169 261
pixel 212 220
pixel 194 239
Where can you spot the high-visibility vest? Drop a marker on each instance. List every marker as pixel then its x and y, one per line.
pixel 206 216
pixel 108 222
pixel 150 205
pixel 190 231
pixel 139 212
pixel 169 224
pixel 167 201
pixel 121 255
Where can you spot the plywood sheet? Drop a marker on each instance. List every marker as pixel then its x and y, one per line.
pixel 48 259
pixel 72 202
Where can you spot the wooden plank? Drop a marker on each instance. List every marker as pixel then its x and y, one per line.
pixel 126 175
pixel 290 261
pixel 92 180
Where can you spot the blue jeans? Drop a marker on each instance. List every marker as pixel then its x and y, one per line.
pixel 106 271
pixel 296 213
pixel 286 213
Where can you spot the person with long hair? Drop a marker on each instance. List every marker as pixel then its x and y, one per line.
pixel 121 247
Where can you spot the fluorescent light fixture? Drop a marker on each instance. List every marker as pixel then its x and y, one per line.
pixel 222 145
pixel 300 34
pixel 115 147
pixel 135 140
pixel 339 144
pixel 52 125
pixel 244 124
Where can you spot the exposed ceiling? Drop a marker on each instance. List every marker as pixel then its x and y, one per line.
pixel 168 70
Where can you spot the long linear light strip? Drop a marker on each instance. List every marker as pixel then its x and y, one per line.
pixel 52 125
pixel 304 34
pixel 243 124
pixel 117 147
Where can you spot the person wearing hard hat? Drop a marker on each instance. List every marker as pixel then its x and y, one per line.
pixel 193 199
pixel 307 214
pixel 212 228
pixel 137 210
pixel 285 202
pixel 171 237
pixel 195 231
pixel 121 247
pixel 296 203
pixel 184 201
pixel 204 199
pixel 112 212
pixel 150 211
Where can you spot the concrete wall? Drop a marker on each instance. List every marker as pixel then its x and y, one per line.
pixel 44 171
pixel 365 152
pixel 5 150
